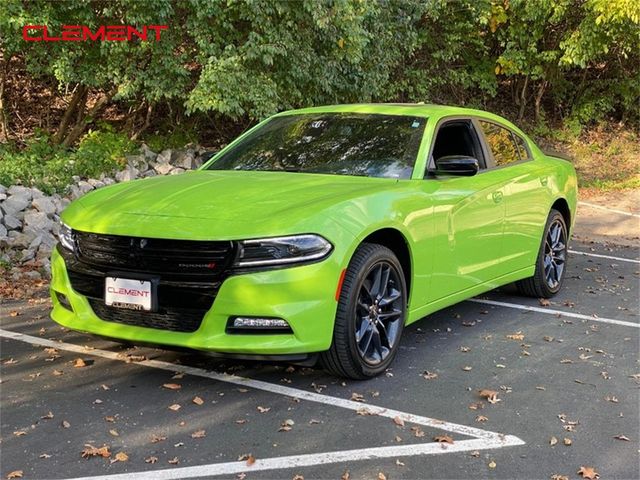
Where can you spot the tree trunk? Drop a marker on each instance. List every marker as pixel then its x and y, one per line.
pixel 79 94
pixel 147 123
pixel 523 98
pixel 77 130
pixel 4 127
pixel 538 100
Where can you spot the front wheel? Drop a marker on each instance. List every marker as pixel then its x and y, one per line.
pixel 372 309
pixel 551 261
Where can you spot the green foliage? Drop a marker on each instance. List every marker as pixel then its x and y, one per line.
pixel 51 168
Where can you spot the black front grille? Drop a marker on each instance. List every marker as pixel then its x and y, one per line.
pixel 189 276
pixel 174 319
pixel 172 259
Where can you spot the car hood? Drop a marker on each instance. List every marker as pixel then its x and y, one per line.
pixel 220 204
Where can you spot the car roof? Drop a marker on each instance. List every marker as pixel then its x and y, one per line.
pixel 412 109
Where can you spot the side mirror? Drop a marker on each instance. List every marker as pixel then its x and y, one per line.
pixel 461 165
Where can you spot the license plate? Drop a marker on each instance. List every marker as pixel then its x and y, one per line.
pixel 128 293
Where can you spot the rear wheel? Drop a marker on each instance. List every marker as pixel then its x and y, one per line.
pixel 370 316
pixel 551 260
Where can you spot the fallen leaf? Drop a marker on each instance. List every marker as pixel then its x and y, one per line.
pixel 398 421
pixel 492 464
pixel 567 441
pixel 197 400
pixel 15 313
pixel 157 438
pixel 588 472
pixel 475 454
pixel 198 434
pixel 490 395
pixel 119 457
pixel 467 368
pixel 151 459
pixel 399 463
pixel 465 349
pixel 65 424
pixel 397 438
pixel 443 439
pixel 175 407
pixel 622 437
pixel 427 375
pixel 263 409
pixel 476 406
pixel 516 336
pixel 286 425
pixel 48 416
pixel 556 476
pixel 97 401
pixel 357 397
pixel 481 418
pixel 251 460
pixel 44 455
pixel 547 338
pixel 135 358
pixel 57 373
pixel 172 386
pixel 11 361
pixel 241 421
pixel 105 387
pixel 566 360
pixel 19 433
pixel 553 441
pixel 79 363
pixel 298 477
pixel 611 399
pixel 15 473
pixel 174 461
pixel 544 302
pixel 110 419
pixel 417 432
pixel 381 476
pixel 91 451
pixel 114 433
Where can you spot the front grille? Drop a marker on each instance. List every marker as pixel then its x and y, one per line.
pixel 174 319
pixel 189 272
pixel 172 259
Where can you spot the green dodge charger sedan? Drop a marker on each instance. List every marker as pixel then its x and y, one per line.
pixel 318 234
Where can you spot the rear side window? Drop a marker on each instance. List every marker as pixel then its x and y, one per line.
pixel 501 142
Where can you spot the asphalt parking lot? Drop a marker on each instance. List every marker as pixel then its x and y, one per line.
pixel 566 378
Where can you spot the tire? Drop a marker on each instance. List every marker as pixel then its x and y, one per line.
pixel 540 285
pixel 369 315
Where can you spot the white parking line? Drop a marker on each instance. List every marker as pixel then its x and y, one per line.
pixel 484 439
pixel 550 311
pixel 597 255
pixel 600 207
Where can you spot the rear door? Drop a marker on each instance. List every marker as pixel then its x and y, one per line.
pixel 525 199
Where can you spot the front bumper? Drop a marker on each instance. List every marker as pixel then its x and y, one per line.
pixel 304 296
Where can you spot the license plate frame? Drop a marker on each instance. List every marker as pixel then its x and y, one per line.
pixel 131 292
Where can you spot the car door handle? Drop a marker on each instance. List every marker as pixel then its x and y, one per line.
pixel 544 181
pixel 497 196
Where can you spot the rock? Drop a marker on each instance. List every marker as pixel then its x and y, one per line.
pixel 138 162
pixel 3 233
pixel 3 189
pixel 74 192
pixel 35 243
pixel 127 174
pixel 21 239
pixel 163 168
pixel 76 178
pixel 27 255
pixel 37 221
pixel 108 181
pixel 33 275
pixel 149 155
pixel 44 205
pixel 164 156
pixel 16 203
pixel 60 203
pixel 177 171
pixel 20 190
pixel 11 222
pixel 149 173
pixel 85 187
pixel 185 159
pixel 48 241
pixel 96 183
pixel 36 193
pixel 3 197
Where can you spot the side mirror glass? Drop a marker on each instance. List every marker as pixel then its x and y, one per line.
pixel 461 165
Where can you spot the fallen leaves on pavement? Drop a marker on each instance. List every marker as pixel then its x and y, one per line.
pixel 91 451
pixel 119 457
pixel 15 474
pixel 398 421
pixel 172 386
pixel 286 425
pixel 443 439
pixel 622 437
pixel 175 407
pixel 198 434
pixel 516 336
pixel 588 472
pixel 490 395
pixel 427 375
pixel 151 459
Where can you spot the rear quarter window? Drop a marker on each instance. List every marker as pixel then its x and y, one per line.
pixel 501 143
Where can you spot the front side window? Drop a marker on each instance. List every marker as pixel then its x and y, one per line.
pixel 501 143
pixel 331 143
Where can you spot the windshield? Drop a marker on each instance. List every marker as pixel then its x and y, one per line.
pixel 333 143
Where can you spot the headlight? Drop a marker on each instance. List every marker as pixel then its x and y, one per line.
pixel 66 237
pixel 282 250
